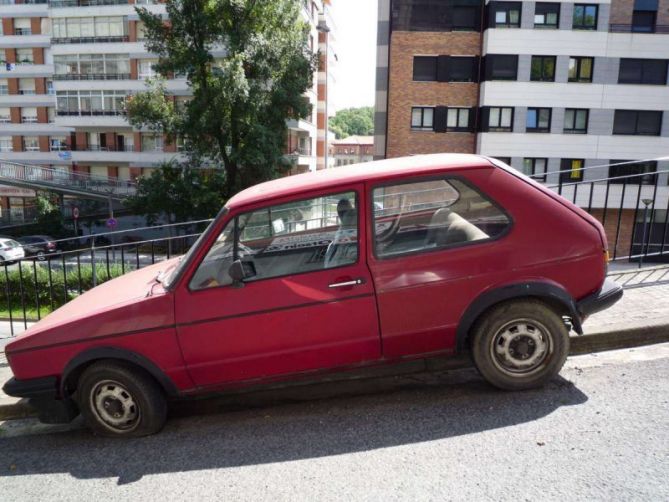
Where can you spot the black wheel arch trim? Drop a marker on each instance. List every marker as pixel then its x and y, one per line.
pixel 535 289
pixel 115 353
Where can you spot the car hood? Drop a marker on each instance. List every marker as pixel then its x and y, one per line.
pixel 133 302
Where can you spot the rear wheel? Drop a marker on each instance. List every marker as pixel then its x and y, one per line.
pixel 520 345
pixel 120 401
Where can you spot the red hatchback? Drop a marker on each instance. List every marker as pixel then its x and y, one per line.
pixel 360 265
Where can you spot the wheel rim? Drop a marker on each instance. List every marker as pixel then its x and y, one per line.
pixel 114 406
pixel 521 347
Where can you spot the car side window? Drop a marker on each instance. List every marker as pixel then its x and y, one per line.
pixel 303 236
pixel 428 215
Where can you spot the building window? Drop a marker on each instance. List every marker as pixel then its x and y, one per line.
pixel 505 160
pixel 571 170
pixel 6 144
pixel 5 115
pixel 92 67
pixel 425 68
pixel 57 143
pixel 501 67
pixel 83 29
pixel 463 69
pixel 500 119
pixel 628 172
pixel 147 68
pixel 580 69
pixel 29 115
pixel 30 144
pixel 466 18
pixel 535 168
pixel 4 87
pixel 27 86
pixel 505 14
pixel 91 102
pixel 538 120
pixel 575 121
pixel 152 142
pixel 22 26
pixel 547 15
pixel 585 17
pixel 24 56
pixel 422 118
pixel 643 71
pixel 637 122
pixel 643 21
pixel 543 69
pixel 51 114
pixel 458 119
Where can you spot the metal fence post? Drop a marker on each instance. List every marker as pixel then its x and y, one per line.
pixel 95 277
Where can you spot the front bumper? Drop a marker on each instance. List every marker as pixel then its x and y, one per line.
pixel 42 394
pixel 608 295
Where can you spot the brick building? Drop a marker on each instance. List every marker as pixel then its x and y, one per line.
pixel 559 90
pixel 353 150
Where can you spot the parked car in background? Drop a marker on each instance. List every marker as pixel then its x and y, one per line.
pixel 38 245
pixel 370 264
pixel 10 251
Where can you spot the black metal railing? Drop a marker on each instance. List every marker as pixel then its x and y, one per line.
pixel 32 287
pixel 634 210
pixel 92 76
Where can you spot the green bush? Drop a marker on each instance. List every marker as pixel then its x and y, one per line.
pixel 33 283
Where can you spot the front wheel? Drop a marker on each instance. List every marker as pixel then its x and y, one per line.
pixel 120 401
pixel 520 345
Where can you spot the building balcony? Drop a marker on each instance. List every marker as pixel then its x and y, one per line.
pixel 301 125
pixel 90 40
pixel 24 41
pixel 89 119
pixel 92 76
pixel 55 4
pixel 27 100
pixel 29 8
pixel 27 71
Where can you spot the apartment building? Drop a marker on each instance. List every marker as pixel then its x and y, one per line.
pixel 559 90
pixel 67 67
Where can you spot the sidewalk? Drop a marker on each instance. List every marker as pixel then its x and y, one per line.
pixel 640 318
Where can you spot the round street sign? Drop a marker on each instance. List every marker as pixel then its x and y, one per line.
pixel 75 213
pixel 111 222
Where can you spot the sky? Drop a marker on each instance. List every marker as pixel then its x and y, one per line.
pixel 355 47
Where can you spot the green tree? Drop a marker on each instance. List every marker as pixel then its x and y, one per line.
pixel 181 192
pixel 236 118
pixel 353 121
pixel 49 216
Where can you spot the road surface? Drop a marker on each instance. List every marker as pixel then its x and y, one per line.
pixel 600 432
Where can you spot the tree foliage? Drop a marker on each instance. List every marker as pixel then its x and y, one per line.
pixel 248 65
pixel 353 121
pixel 181 192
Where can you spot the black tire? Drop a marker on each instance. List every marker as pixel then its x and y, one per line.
pixel 520 344
pixel 117 400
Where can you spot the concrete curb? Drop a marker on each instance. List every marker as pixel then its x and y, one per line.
pixel 14 408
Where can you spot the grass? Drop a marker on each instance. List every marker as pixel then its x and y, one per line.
pixel 31 313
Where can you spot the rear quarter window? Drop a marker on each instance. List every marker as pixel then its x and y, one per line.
pixel 429 215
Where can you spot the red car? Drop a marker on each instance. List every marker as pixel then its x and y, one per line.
pixel 326 271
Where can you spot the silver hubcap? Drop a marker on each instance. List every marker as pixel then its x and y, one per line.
pixel 521 347
pixel 115 406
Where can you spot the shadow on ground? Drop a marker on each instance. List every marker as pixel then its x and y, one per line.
pixel 302 423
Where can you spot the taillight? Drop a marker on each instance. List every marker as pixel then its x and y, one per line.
pixel 51 245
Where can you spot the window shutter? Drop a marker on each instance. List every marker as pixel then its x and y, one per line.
pixel 442 69
pixel 475 69
pixel 472 118
pixel 440 119
pixel 487 68
pixel 484 117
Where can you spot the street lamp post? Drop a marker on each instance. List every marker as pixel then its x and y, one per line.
pixel 646 203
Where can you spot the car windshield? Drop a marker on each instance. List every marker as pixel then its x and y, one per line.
pixel 169 278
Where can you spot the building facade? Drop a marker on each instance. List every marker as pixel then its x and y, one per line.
pixel 559 90
pixel 353 150
pixel 67 67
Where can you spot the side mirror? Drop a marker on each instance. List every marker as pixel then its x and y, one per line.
pixel 240 270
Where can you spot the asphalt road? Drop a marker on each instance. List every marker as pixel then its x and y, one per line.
pixel 601 432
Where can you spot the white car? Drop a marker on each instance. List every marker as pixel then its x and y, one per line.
pixel 10 251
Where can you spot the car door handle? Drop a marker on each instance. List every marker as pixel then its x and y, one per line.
pixel 347 284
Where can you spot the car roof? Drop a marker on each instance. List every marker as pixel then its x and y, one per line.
pixel 357 173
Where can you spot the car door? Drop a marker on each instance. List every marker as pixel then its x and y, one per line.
pixel 434 249
pixel 310 305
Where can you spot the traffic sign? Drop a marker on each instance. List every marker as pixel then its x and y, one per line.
pixel 111 222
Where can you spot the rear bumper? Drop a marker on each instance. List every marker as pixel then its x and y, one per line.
pixel 42 394
pixel 608 295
